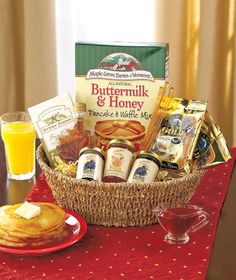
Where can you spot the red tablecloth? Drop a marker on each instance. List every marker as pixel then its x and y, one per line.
pixel 128 253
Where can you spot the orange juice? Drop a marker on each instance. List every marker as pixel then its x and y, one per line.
pixel 19 142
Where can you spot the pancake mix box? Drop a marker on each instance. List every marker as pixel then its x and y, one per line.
pixel 119 83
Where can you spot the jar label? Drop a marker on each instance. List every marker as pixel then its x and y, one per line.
pixel 143 171
pixel 118 162
pixel 90 166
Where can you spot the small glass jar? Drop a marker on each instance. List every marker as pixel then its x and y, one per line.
pixel 119 161
pixel 90 164
pixel 145 168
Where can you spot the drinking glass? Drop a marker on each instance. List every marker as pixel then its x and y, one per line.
pixel 179 219
pixel 19 135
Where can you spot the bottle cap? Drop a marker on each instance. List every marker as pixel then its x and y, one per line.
pixel 91 148
pixel 150 154
pixel 80 107
pixel 122 141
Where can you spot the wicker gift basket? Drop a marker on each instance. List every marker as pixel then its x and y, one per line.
pixel 116 204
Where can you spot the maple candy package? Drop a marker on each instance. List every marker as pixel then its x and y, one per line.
pixel 119 83
pixel 60 127
pixel 51 119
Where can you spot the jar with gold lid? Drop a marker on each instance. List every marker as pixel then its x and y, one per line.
pixel 145 168
pixel 119 161
pixel 90 164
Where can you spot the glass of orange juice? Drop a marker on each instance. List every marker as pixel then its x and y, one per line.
pixel 19 135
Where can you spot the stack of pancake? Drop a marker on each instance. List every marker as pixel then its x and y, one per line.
pixel 47 227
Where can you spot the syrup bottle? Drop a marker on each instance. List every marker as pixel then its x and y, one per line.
pixel 75 139
pixel 79 113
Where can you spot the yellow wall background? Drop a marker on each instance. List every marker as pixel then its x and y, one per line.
pixel 201 34
pixel 202 54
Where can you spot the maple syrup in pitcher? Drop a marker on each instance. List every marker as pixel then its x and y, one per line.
pixel 178 219
pixel 119 160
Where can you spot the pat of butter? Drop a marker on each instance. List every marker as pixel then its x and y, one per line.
pixel 28 210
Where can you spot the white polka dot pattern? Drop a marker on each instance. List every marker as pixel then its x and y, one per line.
pixel 131 253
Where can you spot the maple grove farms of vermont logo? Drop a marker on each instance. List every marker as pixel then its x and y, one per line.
pixel 122 68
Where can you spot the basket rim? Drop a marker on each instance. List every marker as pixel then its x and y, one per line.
pixel 99 202
pixel 44 166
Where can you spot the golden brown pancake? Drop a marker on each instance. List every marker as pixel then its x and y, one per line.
pixel 113 129
pixel 50 218
pixel 47 227
pixel 31 242
pixel 12 236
